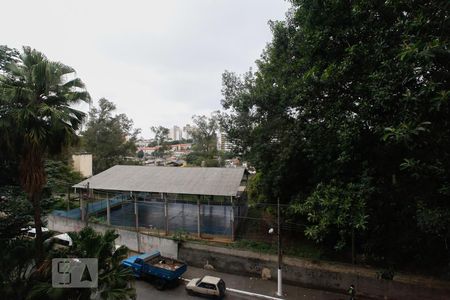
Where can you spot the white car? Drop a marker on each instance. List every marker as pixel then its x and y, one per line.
pixel 63 239
pixel 207 286
pixel 31 231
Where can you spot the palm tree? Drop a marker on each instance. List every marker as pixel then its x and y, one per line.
pixel 36 119
pixel 114 280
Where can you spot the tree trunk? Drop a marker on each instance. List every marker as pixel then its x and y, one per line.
pixel 39 241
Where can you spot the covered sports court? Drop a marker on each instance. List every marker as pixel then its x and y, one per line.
pixel 200 202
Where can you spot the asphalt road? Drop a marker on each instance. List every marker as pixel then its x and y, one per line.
pixel 146 291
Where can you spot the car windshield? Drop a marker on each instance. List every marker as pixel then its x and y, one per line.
pixel 199 281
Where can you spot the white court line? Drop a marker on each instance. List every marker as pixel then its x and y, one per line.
pixel 253 294
pixel 244 292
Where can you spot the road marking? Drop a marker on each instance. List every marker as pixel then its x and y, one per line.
pixel 243 292
pixel 253 294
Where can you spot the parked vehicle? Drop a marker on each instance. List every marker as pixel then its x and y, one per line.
pixel 208 286
pixel 159 269
pixel 30 232
pixel 61 240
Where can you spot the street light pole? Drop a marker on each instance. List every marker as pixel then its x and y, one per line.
pixel 279 276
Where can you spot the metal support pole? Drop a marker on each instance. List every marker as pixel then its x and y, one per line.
pixel 279 275
pixel 166 213
pixel 136 219
pixel 198 218
pixel 86 212
pixel 232 219
pixel 68 200
pixel 81 206
pixel 108 210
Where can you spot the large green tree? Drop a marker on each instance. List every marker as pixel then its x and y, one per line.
pixel 161 137
pixel 37 118
pixel 204 133
pixel 354 94
pixel 109 137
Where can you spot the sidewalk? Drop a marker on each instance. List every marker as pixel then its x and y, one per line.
pixel 265 287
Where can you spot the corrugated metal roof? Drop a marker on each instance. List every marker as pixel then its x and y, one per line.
pixel 195 181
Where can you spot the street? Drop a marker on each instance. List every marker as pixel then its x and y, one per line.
pixel 146 291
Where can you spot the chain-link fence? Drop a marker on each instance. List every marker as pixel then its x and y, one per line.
pixel 205 217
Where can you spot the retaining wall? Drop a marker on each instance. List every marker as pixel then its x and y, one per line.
pixel 322 275
pixel 167 247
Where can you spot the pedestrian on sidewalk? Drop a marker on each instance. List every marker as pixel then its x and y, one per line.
pixel 352 292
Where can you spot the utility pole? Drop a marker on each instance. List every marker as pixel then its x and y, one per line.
pixel 279 276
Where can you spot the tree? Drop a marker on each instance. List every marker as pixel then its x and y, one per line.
pixel 351 92
pixel 140 154
pixel 204 133
pixel 8 156
pixel 161 134
pixel 36 95
pixel 113 279
pixel 110 138
pixel 7 56
pixel 16 253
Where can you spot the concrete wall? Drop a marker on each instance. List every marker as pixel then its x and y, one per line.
pixel 334 277
pixel 167 247
pixel 83 164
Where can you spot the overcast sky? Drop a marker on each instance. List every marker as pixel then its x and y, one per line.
pixel 159 61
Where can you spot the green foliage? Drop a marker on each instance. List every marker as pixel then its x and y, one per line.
pixel 15 212
pixel 60 176
pixel 161 135
pixel 334 210
pixel 16 254
pixel 204 133
pixel 16 258
pixel 140 154
pixel 204 159
pixel 181 236
pixel 352 90
pixel 37 118
pixel 255 191
pixel 7 56
pixel 113 279
pixel 110 138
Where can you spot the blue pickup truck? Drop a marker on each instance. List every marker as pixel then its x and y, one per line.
pixel 161 270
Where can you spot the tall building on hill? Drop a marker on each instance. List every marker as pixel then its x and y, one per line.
pixel 186 133
pixel 222 142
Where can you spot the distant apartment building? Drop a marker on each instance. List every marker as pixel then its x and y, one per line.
pixel 175 133
pixel 222 142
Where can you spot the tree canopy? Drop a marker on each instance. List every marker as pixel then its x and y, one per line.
pixel 37 118
pixel 110 138
pixel 348 114
pixel 204 132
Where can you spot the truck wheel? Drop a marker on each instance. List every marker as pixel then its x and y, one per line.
pixel 160 284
